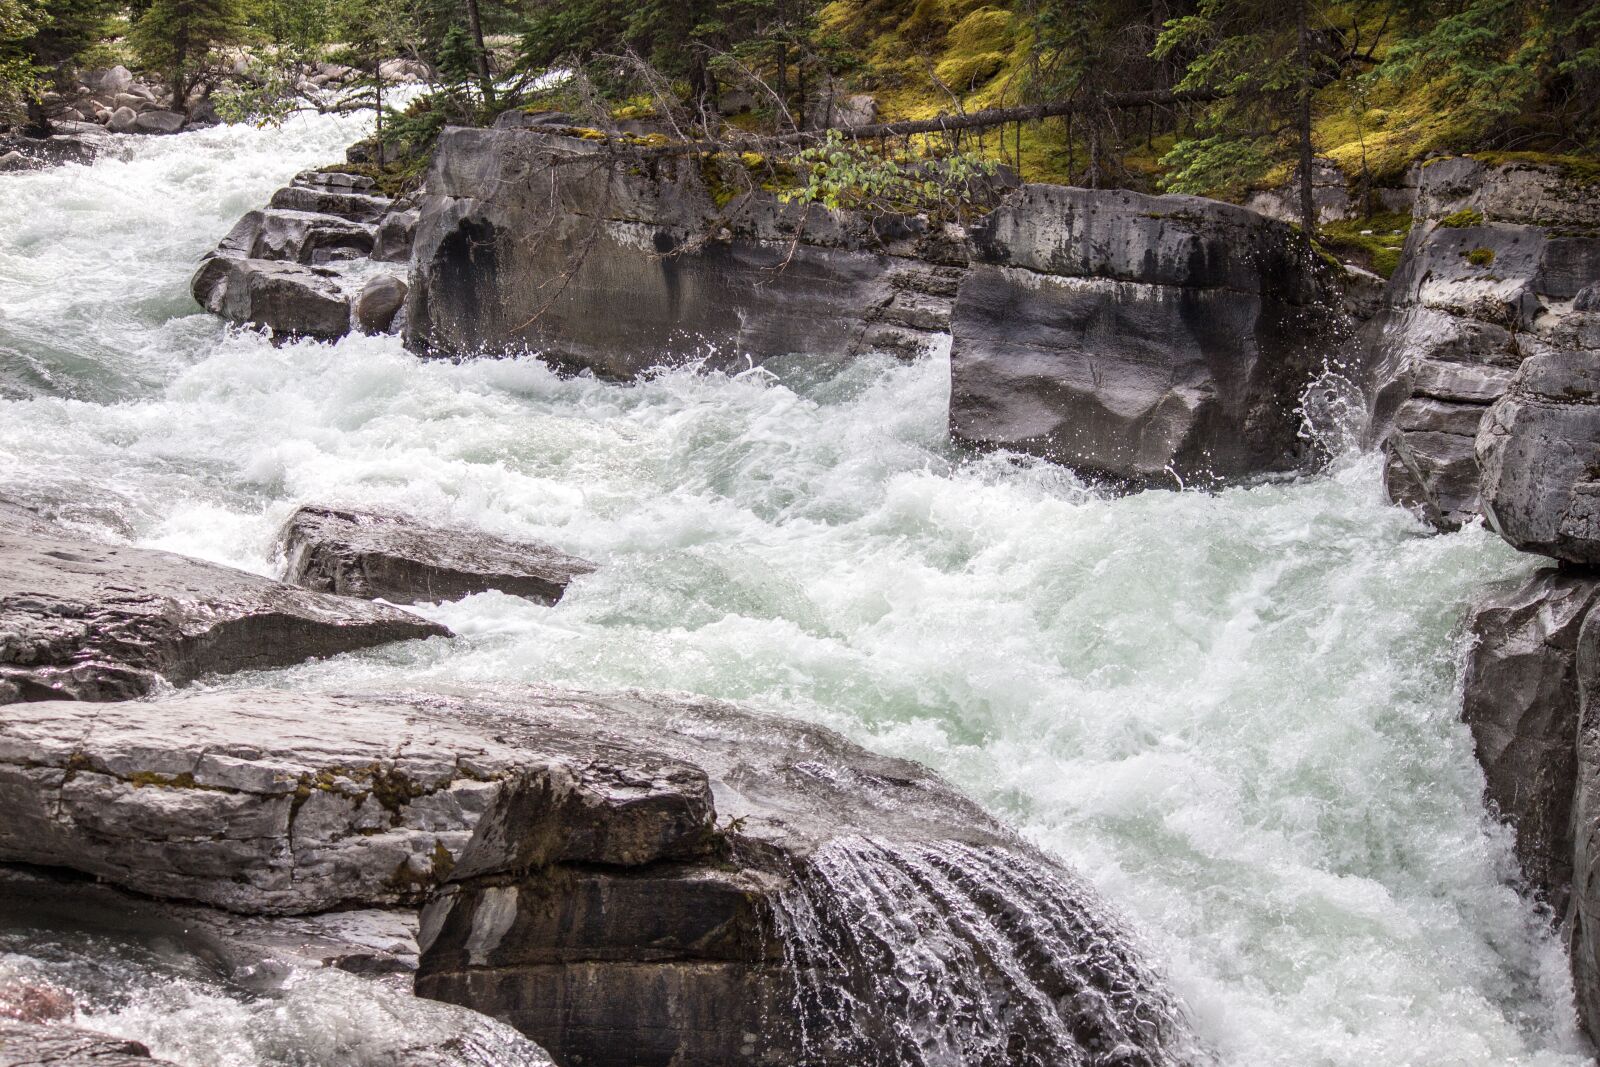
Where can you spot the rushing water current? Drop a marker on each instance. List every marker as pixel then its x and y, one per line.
pixel 1233 713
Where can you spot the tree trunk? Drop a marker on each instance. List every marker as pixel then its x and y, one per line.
pixel 1308 207
pixel 38 122
pixel 377 97
pixel 480 53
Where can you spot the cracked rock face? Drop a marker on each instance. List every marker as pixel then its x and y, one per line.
pixel 1138 338
pixel 84 620
pixel 377 555
pixel 1539 449
pixel 630 879
pixel 1520 699
pixel 272 803
pixel 1487 275
pixel 509 213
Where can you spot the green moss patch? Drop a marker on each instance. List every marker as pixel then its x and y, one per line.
pixel 1460 220
pixel 1373 243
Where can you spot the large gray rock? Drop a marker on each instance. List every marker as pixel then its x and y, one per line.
pixel 297 237
pixel 1584 913
pixel 338 201
pixel 379 301
pixel 158 122
pixel 1495 255
pixel 626 878
pixel 1140 338
pixel 393 242
pixel 379 555
pixel 537 241
pixel 1539 450
pixel 56 1045
pixel 285 298
pixel 1520 698
pixel 91 621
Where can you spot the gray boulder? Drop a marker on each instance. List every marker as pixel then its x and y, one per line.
pixel 14 161
pixel 1539 450
pixel 117 79
pixel 1520 699
pixel 626 878
pixel 331 200
pixel 286 298
pixel 297 237
pixel 379 301
pixel 123 120
pixel 159 122
pixel 530 241
pixel 393 244
pixel 1493 251
pixel 90 621
pixel 33 1045
pixel 1584 913
pixel 386 556
pixel 1140 338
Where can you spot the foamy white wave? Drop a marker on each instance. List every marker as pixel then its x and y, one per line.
pixel 1234 713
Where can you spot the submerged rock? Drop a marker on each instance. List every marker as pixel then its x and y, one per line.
pixel 378 555
pixel 57 1045
pixel 1520 698
pixel 1145 339
pixel 627 878
pixel 90 621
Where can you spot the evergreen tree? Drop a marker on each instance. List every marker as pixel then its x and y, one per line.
pixel 19 21
pixel 181 38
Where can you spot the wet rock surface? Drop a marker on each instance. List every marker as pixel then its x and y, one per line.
pixel 360 960
pixel 1539 450
pixel 627 878
pixel 530 240
pixel 84 620
pixel 303 266
pixel 58 1045
pixel 385 556
pixel 1520 698
pixel 1145 339
pixel 1496 258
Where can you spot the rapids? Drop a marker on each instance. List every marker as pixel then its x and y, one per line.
pixel 1233 713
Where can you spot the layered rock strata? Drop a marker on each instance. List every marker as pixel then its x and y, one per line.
pixel 1493 263
pixel 85 620
pixel 627 878
pixel 1145 339
pixel 304 266
pixel 384 556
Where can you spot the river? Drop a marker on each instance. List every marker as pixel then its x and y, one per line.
pixel 1234 713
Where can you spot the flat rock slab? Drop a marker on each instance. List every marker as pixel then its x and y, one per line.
pixel 84 620
pixel 379 555
pixel 37 1045
pixel 630 879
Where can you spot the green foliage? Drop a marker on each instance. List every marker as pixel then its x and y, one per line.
pixel 841 174
pixel 181 40
pixel 19 21
pixel 1480 257
pixel 1461 219
pixel 1374 242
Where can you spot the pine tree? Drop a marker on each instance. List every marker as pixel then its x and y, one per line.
pixel 181 38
